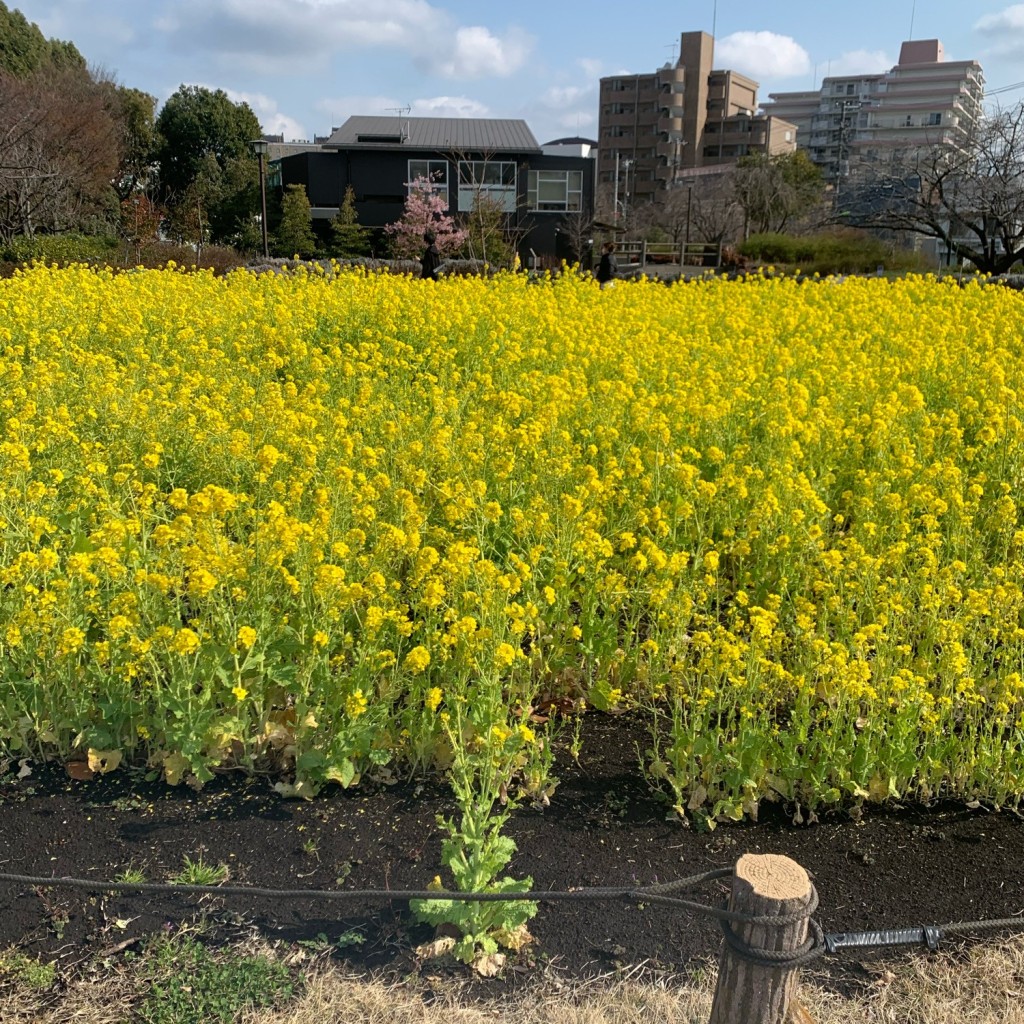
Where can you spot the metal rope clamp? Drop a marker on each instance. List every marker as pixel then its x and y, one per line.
pixel 927 935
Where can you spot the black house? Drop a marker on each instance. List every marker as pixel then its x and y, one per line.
pixel 540 188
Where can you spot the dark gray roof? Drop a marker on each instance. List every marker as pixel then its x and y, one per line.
pixel 572 140
pixel 471 134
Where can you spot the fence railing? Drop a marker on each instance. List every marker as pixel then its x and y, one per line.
pixel 768 925
pixel 683 254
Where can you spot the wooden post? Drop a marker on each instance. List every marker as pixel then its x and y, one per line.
pixel 765 885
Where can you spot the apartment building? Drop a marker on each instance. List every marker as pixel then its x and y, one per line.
pixel 655 127
pixel 852 120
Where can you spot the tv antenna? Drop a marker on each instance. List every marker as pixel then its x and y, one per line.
pixel 399 112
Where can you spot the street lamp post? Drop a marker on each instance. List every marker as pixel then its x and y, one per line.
pixel 261 147
pixel 689 204
pixel 626 164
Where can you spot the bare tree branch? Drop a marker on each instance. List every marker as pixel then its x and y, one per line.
pixel 970 197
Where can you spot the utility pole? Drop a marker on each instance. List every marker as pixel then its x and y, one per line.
pixel 626 164
pixel 845 108
pixel 616 206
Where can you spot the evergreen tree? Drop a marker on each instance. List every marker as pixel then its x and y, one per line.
pixel 295 232
pixel 194 126
pixel 349 237
pixel 24 49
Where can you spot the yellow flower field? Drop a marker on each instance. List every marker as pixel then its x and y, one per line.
pixel 312 521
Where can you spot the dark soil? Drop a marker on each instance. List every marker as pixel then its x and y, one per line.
pixel 897 867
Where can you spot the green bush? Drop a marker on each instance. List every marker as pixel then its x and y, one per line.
pixel 844 251
pixel 113 252
pixel 70 248
pixel 771 248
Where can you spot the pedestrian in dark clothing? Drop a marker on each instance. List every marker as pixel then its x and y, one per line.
pixel 607 269
pixel 431 258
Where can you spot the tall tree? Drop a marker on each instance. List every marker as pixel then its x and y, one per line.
pixel 968 196
pixel 775 190
pixel 58 152
pixel 349 237
pixel 197 124
pixel 294 235
pixel 134 113
pixel 24 49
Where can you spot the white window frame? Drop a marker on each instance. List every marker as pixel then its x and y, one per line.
pixel 495 178
pixel 572 191
pixel 434 170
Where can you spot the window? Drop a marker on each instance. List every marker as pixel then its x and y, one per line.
pixel 850 89
pixel 436 171
pixel 494 178
pixel 935 119
pixel 555 191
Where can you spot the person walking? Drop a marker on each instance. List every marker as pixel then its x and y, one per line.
pixel 607 269
pixel 431 258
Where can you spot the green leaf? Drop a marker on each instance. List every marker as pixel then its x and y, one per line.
pixel 343 773
pixel 309 759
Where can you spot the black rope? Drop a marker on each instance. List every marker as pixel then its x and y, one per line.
pixel 816 944
pixel 652 893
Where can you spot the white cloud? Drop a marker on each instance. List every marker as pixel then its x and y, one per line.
pixel 272 120
pixel 559 96
pixel 1005 30
pixel 448 106
pixel 276 36
pixel 570 107
pixel 1009 20
pixel 590 66
pixel 477 53
pixel 762 55
pixel 338 109
pixel 860 62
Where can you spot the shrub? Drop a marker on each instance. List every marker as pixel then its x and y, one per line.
pixel 72 248
pixel 843 251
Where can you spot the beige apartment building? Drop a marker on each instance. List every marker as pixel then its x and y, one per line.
pixel 654 128
pixel 852 120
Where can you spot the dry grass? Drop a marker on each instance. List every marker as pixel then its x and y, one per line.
pixel 984 985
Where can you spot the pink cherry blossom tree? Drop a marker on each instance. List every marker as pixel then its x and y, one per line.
pixel 425 209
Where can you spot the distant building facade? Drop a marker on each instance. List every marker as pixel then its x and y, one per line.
pixel 537 187
pixel 654 128
pixel 851 120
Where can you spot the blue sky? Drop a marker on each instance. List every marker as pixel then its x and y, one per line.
pixel 306 65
